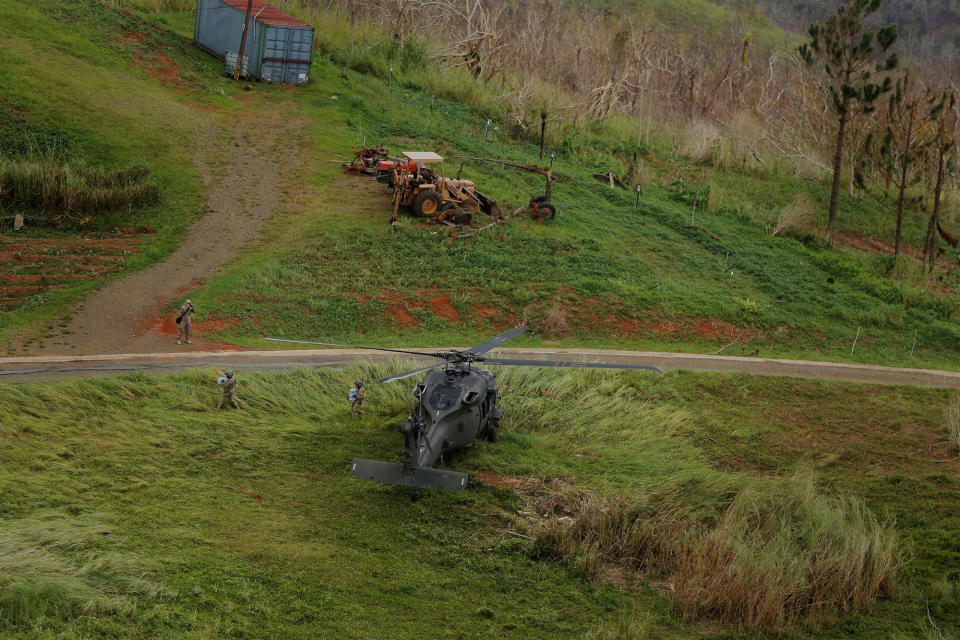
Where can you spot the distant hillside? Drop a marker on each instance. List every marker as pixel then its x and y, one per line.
pixel 930 29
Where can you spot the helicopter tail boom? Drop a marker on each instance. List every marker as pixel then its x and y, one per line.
pixel 419 477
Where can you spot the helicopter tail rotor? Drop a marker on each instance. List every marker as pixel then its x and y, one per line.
pixel 418 477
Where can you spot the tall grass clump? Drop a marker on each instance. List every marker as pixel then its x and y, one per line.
pixel 801 212
pixel 63 191
pixel 49 567
pixel 952 414
pixel 777 551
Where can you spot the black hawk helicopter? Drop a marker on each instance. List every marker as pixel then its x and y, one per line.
pixel 456 404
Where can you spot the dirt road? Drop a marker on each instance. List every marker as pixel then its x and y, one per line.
pixel 46 368
pixel 128 315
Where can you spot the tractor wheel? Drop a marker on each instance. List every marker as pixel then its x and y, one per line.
pixel 426 203
pixel 463 217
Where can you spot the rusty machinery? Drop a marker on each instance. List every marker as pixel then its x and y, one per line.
pixel 419 183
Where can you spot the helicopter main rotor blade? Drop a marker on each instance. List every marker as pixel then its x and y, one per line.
pixel 353 346
pixel 401 376
pixel 579 365
pixel 493 343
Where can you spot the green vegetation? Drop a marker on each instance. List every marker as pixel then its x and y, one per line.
pixel 65 192
pixel 332 270
pixel 327 268
pixel 89 92
pixel 249 525
pixel 50 566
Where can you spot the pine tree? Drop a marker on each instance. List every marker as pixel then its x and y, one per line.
pixel 899 146
pixel 944 139
pixel 846 48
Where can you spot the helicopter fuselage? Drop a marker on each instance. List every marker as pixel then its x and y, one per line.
pixel 455 406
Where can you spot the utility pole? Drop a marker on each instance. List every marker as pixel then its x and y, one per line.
pixel 243 42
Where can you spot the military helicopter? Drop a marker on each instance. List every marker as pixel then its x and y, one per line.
pixel 456 403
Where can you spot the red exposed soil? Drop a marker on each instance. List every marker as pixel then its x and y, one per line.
pixel 399 305
pixel 130 37
pixel 159 66
pixel 25 289
pixel 402 317
pixel 24 278
pixel 166 324
pixel 26 258
pixel 53 263
pixel 442 307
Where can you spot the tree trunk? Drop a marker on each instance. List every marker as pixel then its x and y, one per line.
pixel 904 164
pixel 930 248
pixel 835 190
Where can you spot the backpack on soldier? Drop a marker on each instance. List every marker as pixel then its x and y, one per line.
pixel 352 395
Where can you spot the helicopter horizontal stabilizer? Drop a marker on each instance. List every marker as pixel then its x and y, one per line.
pixel 421 477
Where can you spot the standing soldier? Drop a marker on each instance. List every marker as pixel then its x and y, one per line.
pixel 356 396
pixel 183 321
pixel 228 382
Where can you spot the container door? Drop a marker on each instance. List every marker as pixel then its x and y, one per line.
pixel 286 54
pixel 274 53
pixel 301 50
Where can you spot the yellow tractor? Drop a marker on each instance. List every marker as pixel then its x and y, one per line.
pixel 419 183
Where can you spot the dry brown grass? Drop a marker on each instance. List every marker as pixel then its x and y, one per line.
pixel 952 414
pixel 775 552
pixel 801 212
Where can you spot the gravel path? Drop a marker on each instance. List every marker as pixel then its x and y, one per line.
pixel 46 368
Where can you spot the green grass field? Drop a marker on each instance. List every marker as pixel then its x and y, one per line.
pixel 244 523
pixel 686 505
pixel 328 268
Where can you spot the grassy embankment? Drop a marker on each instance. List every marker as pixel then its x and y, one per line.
pixel 245 523
pixel 588 278
pixel 86 93
pixel 330 270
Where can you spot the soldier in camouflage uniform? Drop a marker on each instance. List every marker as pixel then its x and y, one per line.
pixel 183 328
pixel 357 405
pixel 228 382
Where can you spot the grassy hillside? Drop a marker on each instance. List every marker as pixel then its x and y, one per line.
pixel 245 523
pixel 333 269
pixel 95 88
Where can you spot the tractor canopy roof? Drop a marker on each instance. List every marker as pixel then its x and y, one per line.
pixel 426 157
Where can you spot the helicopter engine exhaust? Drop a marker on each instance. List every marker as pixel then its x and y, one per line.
pixel 418 477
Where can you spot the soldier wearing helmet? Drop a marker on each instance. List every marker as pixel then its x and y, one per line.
pixel 184 322
pixel 228 382
pixel 356 397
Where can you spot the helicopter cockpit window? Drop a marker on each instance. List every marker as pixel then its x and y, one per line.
pixel 444 397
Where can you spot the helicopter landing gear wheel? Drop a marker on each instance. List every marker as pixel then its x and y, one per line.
pixel 491 434
pixel 414 495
